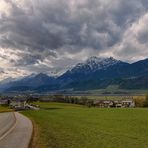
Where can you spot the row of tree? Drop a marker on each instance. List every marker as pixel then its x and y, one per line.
pixel 63 99
pixel 140 102
pixel 73 100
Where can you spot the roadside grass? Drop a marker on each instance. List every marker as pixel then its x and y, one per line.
pixel 72 126
pixel 5 108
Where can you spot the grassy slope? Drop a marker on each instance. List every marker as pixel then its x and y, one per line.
pixel 5 108
pixel 69 126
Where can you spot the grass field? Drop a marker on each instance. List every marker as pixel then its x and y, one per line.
pixel 71 126
pixel 113 90
pixel 112 97
pixel 5 108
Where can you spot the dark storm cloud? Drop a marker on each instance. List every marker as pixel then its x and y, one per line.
pixel 45 28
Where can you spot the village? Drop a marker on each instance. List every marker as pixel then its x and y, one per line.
pixel 25 103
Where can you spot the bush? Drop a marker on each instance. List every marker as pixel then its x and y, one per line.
pixel 89 103
pixel 139 101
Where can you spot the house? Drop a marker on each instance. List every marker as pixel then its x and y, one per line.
pixel 118 103
pixel 128 103
pixel 3 102
pixel 21 104
pixel 104 103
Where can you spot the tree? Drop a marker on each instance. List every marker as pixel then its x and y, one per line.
pixel 83 100
pixel 89 103
pixel 145 104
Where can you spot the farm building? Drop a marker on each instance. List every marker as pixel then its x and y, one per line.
pixel 18 104
pixel 114 103
pixel 128 103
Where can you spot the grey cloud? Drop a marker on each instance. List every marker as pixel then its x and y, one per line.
pixel 50 25
pixel 31 59
pixel 2 71
pixel 135 41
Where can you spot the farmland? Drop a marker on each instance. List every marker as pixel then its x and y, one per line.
pixel 109 97
pixel 59 125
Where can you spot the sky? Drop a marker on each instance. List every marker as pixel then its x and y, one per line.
pixel 50 36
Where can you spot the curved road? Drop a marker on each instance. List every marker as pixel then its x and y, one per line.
pixel 15 130
pixel 7 120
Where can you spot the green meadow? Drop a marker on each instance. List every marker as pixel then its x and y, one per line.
pixel 59 125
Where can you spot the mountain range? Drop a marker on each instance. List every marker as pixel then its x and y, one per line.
pixel 94 73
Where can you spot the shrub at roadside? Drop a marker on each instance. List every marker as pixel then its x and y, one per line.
pixel 145 104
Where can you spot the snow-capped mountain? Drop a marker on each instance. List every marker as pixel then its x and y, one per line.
pixel 29 82
pixel 95 63
pixel 94 73
pixel 59 71
pixel 9 79
pixel 6 83
pixel 35 80
pixel 94 67
pixel 99 63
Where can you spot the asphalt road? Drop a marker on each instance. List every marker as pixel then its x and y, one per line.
pixel 7 120
pixel 18 135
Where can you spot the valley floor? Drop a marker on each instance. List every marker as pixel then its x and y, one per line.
pixel 60 125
